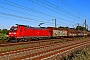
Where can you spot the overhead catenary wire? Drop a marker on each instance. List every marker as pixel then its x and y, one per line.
pixel 7 14
pixel 7 2
pixel 29 9
pixel 22 17
pixel 23 13
pixel 64 11
pixel 70 14
pixel 26 8
pixel 74 9
pixel 40 12
pixel 52 10
pixel 19 12
pixel 16 19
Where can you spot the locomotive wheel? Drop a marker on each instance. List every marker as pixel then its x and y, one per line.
pixel 29 39
pixel 44 38
pixel 47 38
pixel 25 40
pixel 20 40
pixel 36 38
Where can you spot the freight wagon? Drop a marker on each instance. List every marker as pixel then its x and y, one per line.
pixel 59 32
pixel 64 32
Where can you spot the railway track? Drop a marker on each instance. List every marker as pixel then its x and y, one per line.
pixel 6 46
pixel 14 46
pixel 18 43
pixel 44 52
pixel 3 44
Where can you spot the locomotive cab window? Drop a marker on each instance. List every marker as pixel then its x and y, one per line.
pixel 13 29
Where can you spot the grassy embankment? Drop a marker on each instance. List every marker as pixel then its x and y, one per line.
pixel 80 55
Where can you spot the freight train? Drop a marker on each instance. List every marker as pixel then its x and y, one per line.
pixel 26 33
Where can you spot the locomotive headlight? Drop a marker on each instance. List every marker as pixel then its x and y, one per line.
pixel 9 33
pixel 14 33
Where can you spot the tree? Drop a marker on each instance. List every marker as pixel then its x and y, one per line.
pixel 88 30
pixel 5 31
pixel 81 28
pixel 0 30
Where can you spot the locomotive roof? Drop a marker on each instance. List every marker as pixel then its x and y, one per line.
pixel 24 25
pixel 33 27
pixel 39 27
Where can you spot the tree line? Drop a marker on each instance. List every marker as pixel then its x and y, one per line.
pixel 77 28
pixel 4 31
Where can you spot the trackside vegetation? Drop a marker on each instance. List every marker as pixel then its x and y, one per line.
pixel 80 55
pixel 4 34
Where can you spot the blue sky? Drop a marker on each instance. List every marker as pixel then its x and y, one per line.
pixel 32 12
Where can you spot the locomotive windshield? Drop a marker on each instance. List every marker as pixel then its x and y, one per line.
pixel 13 29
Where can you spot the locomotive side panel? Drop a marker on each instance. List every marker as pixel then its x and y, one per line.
pixel 45 32
pixel 40 32
pixel 28 32
pixel 33 32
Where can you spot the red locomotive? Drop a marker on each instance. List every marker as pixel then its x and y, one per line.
pixel 25 33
